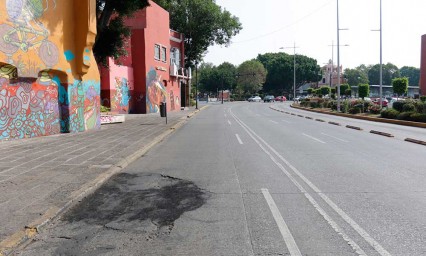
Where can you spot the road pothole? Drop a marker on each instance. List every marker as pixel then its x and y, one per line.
pixel 139 202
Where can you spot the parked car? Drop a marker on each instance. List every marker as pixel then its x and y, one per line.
pixel 269 98
pixel 254 99
pixel 280 98
pixel 384 102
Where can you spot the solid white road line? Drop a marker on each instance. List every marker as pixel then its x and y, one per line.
pixel 239 139
pixel 334 137
pixel 273 122
pixel 282 226
pixel 229 122
pixel 309 136
pixel 382 251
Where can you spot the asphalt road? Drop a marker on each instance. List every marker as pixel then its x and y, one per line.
pixel 243 179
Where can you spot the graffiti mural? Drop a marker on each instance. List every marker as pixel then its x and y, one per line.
pixel 28 108
pixel 49 81
pixel 121 97
pixel 156 92
pixel 79 105
pixel 24 32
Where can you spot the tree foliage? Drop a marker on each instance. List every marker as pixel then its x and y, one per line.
pixel 280 67
pixel 363 90
pixel 212 78
pixel 112 32
pixel 412 73
pixel 400 85
pixel 325 90
pixel 390 71
pixel 358 75
pixel 203 23
pixel 252 75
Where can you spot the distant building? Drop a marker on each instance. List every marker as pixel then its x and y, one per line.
pixel 329 75
pixel 153 72
pixel 423 67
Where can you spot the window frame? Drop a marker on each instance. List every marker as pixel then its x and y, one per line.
pixel 157 47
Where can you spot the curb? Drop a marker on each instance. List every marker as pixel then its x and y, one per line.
pixel 421 142
pixel 381 133
pixel 368 118
pixel 354 127
pixel 8 245
pixel 334 123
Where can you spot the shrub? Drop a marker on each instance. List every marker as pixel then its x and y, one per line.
pixel 404 115
pixel 305 103
pixel 105 109
pixel 418 117
pixel 368 104
pixel 408 107
pixel 420 107
pixel 333 105
pixel 398 105
pixel 345 106
pixel 314 104
pixel 389 113
pixel 355 110
pixel 374 109
pixel 423 98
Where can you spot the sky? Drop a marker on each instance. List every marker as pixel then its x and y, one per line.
pixel 311 25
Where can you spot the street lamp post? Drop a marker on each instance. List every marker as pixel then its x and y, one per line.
pixel 381 63
pixel 294 68
pixel 338 58
pixel 196 85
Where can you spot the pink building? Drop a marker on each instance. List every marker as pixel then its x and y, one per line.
pixel 153 71
pixel 423 67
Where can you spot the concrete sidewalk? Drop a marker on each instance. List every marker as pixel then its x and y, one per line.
pixel 42 177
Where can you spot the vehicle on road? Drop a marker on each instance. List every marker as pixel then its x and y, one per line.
pixel 269 98
pixel 280 98
pixel 254 99
pixel 384 102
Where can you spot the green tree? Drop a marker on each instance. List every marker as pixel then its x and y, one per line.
pixel 345 89
pixel 252 76
pixel 390 71
pixel 227 72
pixel 363 90
pixel 412 73
pixel 310 91
pixel 280 67
pixel 400 85
pixel 356 76
pixel 203 22
pixel 111 31
pixel 207 77
pixel 325 90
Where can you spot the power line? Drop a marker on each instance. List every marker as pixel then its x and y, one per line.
pixel 287 26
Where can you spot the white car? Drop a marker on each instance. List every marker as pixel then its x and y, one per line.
pixel 254 99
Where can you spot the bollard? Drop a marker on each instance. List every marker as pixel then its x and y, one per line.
pixel 163 110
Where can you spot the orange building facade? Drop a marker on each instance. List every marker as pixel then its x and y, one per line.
pixel 49 79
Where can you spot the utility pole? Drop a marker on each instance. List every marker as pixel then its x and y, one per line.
pixel 294 68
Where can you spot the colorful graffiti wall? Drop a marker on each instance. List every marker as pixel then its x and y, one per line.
pixel 49 81
pixel 157 93
pixel 121 96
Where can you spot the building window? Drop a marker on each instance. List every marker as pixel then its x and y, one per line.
pixel 157 52
pixel 163 54
pixel 175 57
